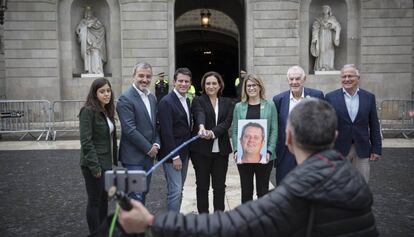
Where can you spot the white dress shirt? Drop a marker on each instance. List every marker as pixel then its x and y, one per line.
pixel 144 97
pixel 293 102
pixel 216 148
pixel 352 103
pixel 183 100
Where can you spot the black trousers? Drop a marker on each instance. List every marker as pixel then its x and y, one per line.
pixel 97 207
pixel 210 165
pixel 247 172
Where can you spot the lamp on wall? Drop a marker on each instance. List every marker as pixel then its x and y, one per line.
pixel 3 8
pixel 205 17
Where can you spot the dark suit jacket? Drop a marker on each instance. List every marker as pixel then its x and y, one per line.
pixel 139 131
pixel 282 105
pixel 203 113
pixel 364 132
pixel 174 126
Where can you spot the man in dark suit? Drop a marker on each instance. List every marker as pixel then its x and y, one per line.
pixel 175 128
pixel 137 113
pixel 359 137
pixel 285 102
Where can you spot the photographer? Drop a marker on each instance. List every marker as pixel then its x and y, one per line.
pixel 322 196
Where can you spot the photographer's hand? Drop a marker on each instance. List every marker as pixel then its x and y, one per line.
pixel 136 220
pixel 177 164
pixel 98 175
pixel 153 152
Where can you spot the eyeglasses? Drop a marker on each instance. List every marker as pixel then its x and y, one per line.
pixel 252 86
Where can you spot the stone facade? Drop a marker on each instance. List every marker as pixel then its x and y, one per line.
pixel 41 60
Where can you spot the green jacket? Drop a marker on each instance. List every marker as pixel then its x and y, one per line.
pixel 267 111
pixel 96 153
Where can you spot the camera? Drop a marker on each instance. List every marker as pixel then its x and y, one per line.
pixel 126 180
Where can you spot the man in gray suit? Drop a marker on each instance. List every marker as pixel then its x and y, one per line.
pixel 137 113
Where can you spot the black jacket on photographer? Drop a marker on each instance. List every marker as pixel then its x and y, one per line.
pixel 324 196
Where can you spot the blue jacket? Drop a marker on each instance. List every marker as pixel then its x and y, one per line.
pixel 139 131
pixel 364 132
pixel 282 101
pixel 174 126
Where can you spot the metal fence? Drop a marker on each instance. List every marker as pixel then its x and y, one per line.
pixel 25 116
pixel 65 116
pixel 40 117
pixel 397 116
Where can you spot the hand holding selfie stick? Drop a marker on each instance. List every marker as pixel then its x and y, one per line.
pixel 119 181
pixel 123 200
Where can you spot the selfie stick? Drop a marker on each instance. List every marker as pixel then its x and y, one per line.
pixel 124 201
pixel 173 152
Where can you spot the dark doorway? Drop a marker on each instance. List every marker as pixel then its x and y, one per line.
pixel 202 51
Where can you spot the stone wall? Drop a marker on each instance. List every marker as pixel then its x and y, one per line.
pixel 275 30
pixel 31 50
pixel 38 61
pixel 386 48
pixel 145 37
pixel 2 77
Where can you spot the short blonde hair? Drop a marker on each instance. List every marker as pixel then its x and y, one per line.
pixel 255 79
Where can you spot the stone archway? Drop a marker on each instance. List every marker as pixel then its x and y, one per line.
pixel 208 49
pixel 220 47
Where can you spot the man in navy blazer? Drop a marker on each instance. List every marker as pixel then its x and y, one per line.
pixel 359 137
pixel 175 128
pixel 285 102
pixel 137 111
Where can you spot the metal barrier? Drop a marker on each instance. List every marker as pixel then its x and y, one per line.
pixel 25 116
pixel 65 116
pixel 397 115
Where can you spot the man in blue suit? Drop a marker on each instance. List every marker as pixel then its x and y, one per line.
pixel 285 102
pixel 137 113
pixel 175 128
pixel 359 136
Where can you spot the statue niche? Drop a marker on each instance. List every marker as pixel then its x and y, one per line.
pixel 91 36
pixel 325 36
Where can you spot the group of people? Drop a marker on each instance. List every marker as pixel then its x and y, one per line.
pixel 323 192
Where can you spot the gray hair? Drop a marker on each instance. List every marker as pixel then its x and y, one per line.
pixel 313 123
pixel 141 65
pixel 296 68
pixel 350 66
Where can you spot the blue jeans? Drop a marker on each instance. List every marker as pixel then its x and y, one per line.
pixel 175 184
pixel 148 163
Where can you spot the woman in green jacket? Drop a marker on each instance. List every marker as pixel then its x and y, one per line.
pixel 254 105
pixel 98 148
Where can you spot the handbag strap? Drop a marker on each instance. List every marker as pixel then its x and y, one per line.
pixel 310 220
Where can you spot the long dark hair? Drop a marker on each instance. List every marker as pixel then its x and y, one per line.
pixel 93 102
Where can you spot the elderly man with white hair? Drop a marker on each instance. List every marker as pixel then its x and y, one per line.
pixel 285 102
pixel 359 136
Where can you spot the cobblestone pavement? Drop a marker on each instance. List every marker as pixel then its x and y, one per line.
pixel 42 193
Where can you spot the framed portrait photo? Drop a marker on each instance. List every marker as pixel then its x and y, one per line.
pixel 252 141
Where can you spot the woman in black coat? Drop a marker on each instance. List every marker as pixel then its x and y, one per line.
pixel 212 115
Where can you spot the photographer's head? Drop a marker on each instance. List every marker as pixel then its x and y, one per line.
pixel 311 126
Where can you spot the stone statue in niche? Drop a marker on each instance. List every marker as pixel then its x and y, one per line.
pixel 91 36
pixel 325 36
